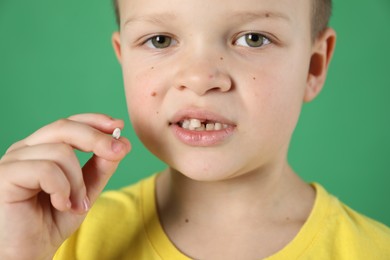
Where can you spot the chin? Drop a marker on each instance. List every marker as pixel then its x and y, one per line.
pixel 200 171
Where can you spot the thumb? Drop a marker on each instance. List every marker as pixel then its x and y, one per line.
pixel 96 173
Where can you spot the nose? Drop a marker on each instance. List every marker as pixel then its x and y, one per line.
pixel 202 76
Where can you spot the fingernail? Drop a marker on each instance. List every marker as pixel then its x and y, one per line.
pixel 117 146
pixel 86 204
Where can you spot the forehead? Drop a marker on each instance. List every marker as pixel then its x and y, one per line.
pixel 292 11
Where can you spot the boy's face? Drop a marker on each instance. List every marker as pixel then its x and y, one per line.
pixel 242 64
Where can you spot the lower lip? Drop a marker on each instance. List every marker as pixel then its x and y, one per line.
pixel 202 138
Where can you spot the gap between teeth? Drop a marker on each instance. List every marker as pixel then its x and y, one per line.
pixel 197 125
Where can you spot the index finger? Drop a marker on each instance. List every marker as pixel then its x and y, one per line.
pixel 87 134
pixel 102 122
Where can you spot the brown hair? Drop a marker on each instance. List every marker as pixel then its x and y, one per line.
pixel 116 10
pixel 321 12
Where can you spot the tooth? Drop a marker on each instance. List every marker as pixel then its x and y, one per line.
pixel 217 126
pixel 194 123
pixel 186 124
pixel 201 128
pixel 209 127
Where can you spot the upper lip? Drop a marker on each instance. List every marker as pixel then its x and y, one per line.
pixel 201 114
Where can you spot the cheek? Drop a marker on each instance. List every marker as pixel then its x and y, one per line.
pixel 141 95
pixel 273 95
pixel 144 95
pixel 275 98
pixel 141 88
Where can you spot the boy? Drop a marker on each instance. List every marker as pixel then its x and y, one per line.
pixel 214 89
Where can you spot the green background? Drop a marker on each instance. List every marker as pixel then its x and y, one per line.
pixel 56 60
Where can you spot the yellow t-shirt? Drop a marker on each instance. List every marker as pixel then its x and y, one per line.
pixel 124 225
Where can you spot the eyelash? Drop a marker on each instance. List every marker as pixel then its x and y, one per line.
pixel 240 41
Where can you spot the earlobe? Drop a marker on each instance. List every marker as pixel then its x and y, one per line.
pixel 323 50
pixel 116 43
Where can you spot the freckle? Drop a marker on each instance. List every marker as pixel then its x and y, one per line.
pixel 153 94
pixel 187 220
pixel 267 15
pixel 287 219
pixel 152 68
pixel 221 58
pixel 254 78
pixel 157 112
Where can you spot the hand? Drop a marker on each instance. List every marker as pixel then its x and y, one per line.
pixel 44 193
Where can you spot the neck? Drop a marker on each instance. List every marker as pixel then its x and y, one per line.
pixel 244 210
pixel 266 192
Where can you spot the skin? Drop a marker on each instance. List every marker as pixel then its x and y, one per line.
pixel 209 68
pixel 219 201
pixel 40 177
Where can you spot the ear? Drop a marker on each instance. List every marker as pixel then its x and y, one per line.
pixel 323 49
pixel 116 43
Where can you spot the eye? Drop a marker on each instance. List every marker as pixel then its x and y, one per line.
pixel 253 40
pixel 160 42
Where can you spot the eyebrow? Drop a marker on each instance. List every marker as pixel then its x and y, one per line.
pixel 251 16
pixel 246 16
pixel 158 18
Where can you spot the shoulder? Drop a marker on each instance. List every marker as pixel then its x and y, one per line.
pixel 345 231
pixel 345 219
pixel 359 228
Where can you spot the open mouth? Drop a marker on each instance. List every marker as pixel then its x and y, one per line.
pixel 200 128
pixel 194 124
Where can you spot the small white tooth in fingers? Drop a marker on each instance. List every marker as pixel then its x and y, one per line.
pixel 117 133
